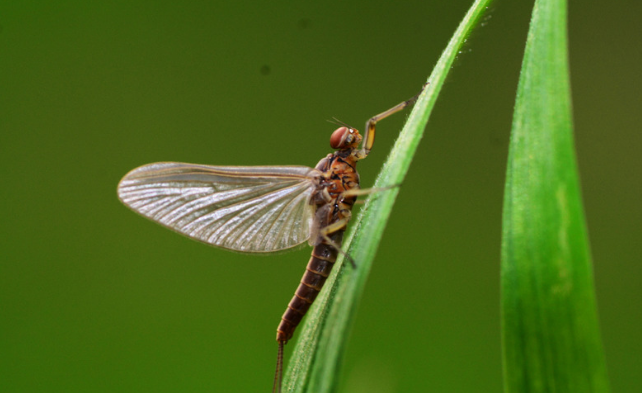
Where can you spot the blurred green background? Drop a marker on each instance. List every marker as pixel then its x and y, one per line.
pixel 94 298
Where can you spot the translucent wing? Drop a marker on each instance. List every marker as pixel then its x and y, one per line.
pixel 248 209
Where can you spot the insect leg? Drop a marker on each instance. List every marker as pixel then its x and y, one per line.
pixel 367 191
pixel 337 226
pixel 368 139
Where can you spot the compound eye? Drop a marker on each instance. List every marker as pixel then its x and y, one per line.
pixel 338 138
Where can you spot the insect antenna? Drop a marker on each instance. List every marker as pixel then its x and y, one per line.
pixel 278 374
pixel 338 122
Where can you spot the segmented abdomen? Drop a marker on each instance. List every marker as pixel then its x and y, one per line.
pixel 319 267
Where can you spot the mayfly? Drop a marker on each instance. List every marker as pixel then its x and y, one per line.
pixel 261 209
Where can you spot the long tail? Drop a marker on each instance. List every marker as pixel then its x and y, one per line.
pixel 278 374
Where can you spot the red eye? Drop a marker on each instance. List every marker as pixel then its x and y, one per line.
pixel 338 137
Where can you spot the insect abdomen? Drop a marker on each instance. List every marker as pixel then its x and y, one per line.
pixel 319 267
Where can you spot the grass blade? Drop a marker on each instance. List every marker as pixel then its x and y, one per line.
pixel 316 359
pixel 551 339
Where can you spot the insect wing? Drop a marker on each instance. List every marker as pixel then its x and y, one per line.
pixel 247 209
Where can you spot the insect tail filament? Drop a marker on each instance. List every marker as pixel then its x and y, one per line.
pixel 278 374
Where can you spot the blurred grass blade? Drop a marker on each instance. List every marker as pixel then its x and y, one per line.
pixel 315 362
pixel 551 338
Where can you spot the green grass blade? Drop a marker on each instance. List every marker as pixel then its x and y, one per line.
pixel 315 362
pixel 551 339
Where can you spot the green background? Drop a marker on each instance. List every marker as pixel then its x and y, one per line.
pixel 96 299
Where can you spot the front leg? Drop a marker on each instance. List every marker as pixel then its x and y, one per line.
pixel 371 125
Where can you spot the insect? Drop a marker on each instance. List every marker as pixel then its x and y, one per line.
pixel 262 209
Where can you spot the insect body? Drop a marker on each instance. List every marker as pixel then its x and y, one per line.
pixel 262 209
pixel 332 204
